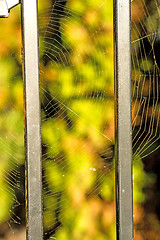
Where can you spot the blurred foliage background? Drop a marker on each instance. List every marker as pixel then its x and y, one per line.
pixel 77 103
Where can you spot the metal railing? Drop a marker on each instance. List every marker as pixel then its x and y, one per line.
pixel 123 119
pixel 123 135
pixel 32 119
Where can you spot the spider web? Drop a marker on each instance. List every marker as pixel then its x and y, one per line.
pixel 145 99
pixel 77 104
pixel 11 131
pixel 64 53
pixel 77 118
pixel 145 77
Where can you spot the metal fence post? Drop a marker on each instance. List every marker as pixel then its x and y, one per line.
pixel 32 120
pixel 123 120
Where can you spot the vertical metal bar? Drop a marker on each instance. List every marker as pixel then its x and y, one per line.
pixel 32 120
pixel 123 120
